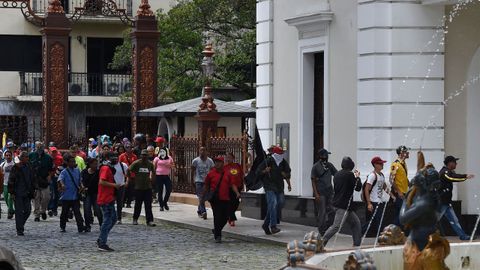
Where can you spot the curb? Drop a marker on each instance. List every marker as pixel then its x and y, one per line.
pixel 238 236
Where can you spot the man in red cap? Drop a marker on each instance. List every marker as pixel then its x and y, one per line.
pixel 275 170
pixel 160 143
pixel 373 190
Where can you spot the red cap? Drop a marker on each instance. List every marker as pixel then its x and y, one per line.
pixel 52 148
pixel 219 158
pixel 378 160
pixel 160 140
pixel 277 150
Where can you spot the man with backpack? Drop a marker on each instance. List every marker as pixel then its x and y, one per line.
pixel 275 170
pixel 322 174
pixel 372 195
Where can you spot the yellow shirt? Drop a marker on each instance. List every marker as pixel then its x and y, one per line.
pixel 401 175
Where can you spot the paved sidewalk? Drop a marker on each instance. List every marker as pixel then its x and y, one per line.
pixel 246 229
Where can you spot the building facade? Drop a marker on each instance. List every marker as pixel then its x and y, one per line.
pixel 94 88
pixel 362 77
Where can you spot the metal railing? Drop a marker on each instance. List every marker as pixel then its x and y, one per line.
pixel 80 84
pixel 93 7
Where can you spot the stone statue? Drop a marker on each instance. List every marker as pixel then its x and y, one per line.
pixel 425 248
pixel 392 235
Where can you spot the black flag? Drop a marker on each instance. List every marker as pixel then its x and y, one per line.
pixel 252 180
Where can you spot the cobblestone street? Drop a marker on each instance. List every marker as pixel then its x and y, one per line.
pixel 136 247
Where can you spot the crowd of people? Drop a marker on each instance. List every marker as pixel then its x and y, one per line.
pixel 111 175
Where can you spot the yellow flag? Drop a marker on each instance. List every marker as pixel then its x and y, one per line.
pixel 4 139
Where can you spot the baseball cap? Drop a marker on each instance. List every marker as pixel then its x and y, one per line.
pixel 277 150
pixel 160 140
pixel 219 158
pixel 91 139
pixel 10 144
pixel 449 159
pixel 378 160
pixel 323 152
pixel 52 148
pixel 144 152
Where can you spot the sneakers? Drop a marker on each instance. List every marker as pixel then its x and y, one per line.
pixel 37 219
pixel 266 229
pixel 50 213
pixel 204 215
pixel 161 209
pixel 135 222
pixel 218 239
pixel 231 223
pixel 166 207
pixel 274 230
pixel 119 222
pixel 105 248
pixel 20 234
pixel 62 230
pixel 10 215
pixel 151 224
pixel 44 216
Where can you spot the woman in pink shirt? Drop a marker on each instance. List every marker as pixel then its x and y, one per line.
pixel 163 164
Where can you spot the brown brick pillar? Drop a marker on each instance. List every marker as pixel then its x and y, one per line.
pixel 144 64
pixel 55 75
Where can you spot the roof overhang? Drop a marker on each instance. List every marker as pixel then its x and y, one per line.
pixel 311 24
pixel 190 114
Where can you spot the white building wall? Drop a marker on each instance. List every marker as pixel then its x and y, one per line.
pixel 400 81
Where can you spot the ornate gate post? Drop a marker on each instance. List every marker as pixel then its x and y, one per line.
pixel 144 64
pixel 55 74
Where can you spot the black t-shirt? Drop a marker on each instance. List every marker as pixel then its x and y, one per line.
pixel 323 173
pixel 90 181
pixel 345 183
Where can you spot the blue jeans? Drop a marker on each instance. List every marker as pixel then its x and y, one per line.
pixel 275 201
pixel 89 203
pixel 109 219
pixel 54 195
pixel 447 210
pixel 199 188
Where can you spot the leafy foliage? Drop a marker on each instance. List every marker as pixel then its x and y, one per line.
pixel 184 31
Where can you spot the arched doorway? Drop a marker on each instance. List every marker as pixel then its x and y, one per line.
pixel 164 128
pixel 472 188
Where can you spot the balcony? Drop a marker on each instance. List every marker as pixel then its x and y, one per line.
pixel 80 85
pixel 93 8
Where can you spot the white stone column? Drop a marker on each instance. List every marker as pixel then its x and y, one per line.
pixel 400 81
pixel 265 71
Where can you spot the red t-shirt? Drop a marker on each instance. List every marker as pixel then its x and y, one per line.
pixel 236 172
pixel 212 180
pixel 82 154
pixel 106 194
pixel 128 159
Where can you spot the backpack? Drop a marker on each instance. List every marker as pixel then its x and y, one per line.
pixel 364 186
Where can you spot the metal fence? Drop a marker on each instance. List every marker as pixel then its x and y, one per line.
pixel 80 84
pixel 93 7
pixel 184 150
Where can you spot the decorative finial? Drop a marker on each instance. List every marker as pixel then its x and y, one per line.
pixel 54 6
pixel 144 9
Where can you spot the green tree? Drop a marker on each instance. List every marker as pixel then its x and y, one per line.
pixel 184 30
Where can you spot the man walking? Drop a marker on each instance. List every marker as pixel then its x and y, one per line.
pixel 275 170
pixel 128 158
pixel 448 176
pixel 373 194
pixel 201 165
pixel 399 180
pixel 120 177
pixel 6 167
pixel 144 175
pixel 42 164
pixel 322 173
pixel 21 187
pixel 106 201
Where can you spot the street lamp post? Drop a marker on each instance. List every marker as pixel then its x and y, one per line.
pixel 207 115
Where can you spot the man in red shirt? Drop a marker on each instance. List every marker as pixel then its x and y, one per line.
pixel 236 173
pixel 106 201
pixel 128 158
pixel 220 183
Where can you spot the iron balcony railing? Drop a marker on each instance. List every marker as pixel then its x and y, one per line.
pixel 92 7
pixel 80 84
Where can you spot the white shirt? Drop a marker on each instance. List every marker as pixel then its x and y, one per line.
pixel 119 176
pixel 6 168
pixel 376 195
